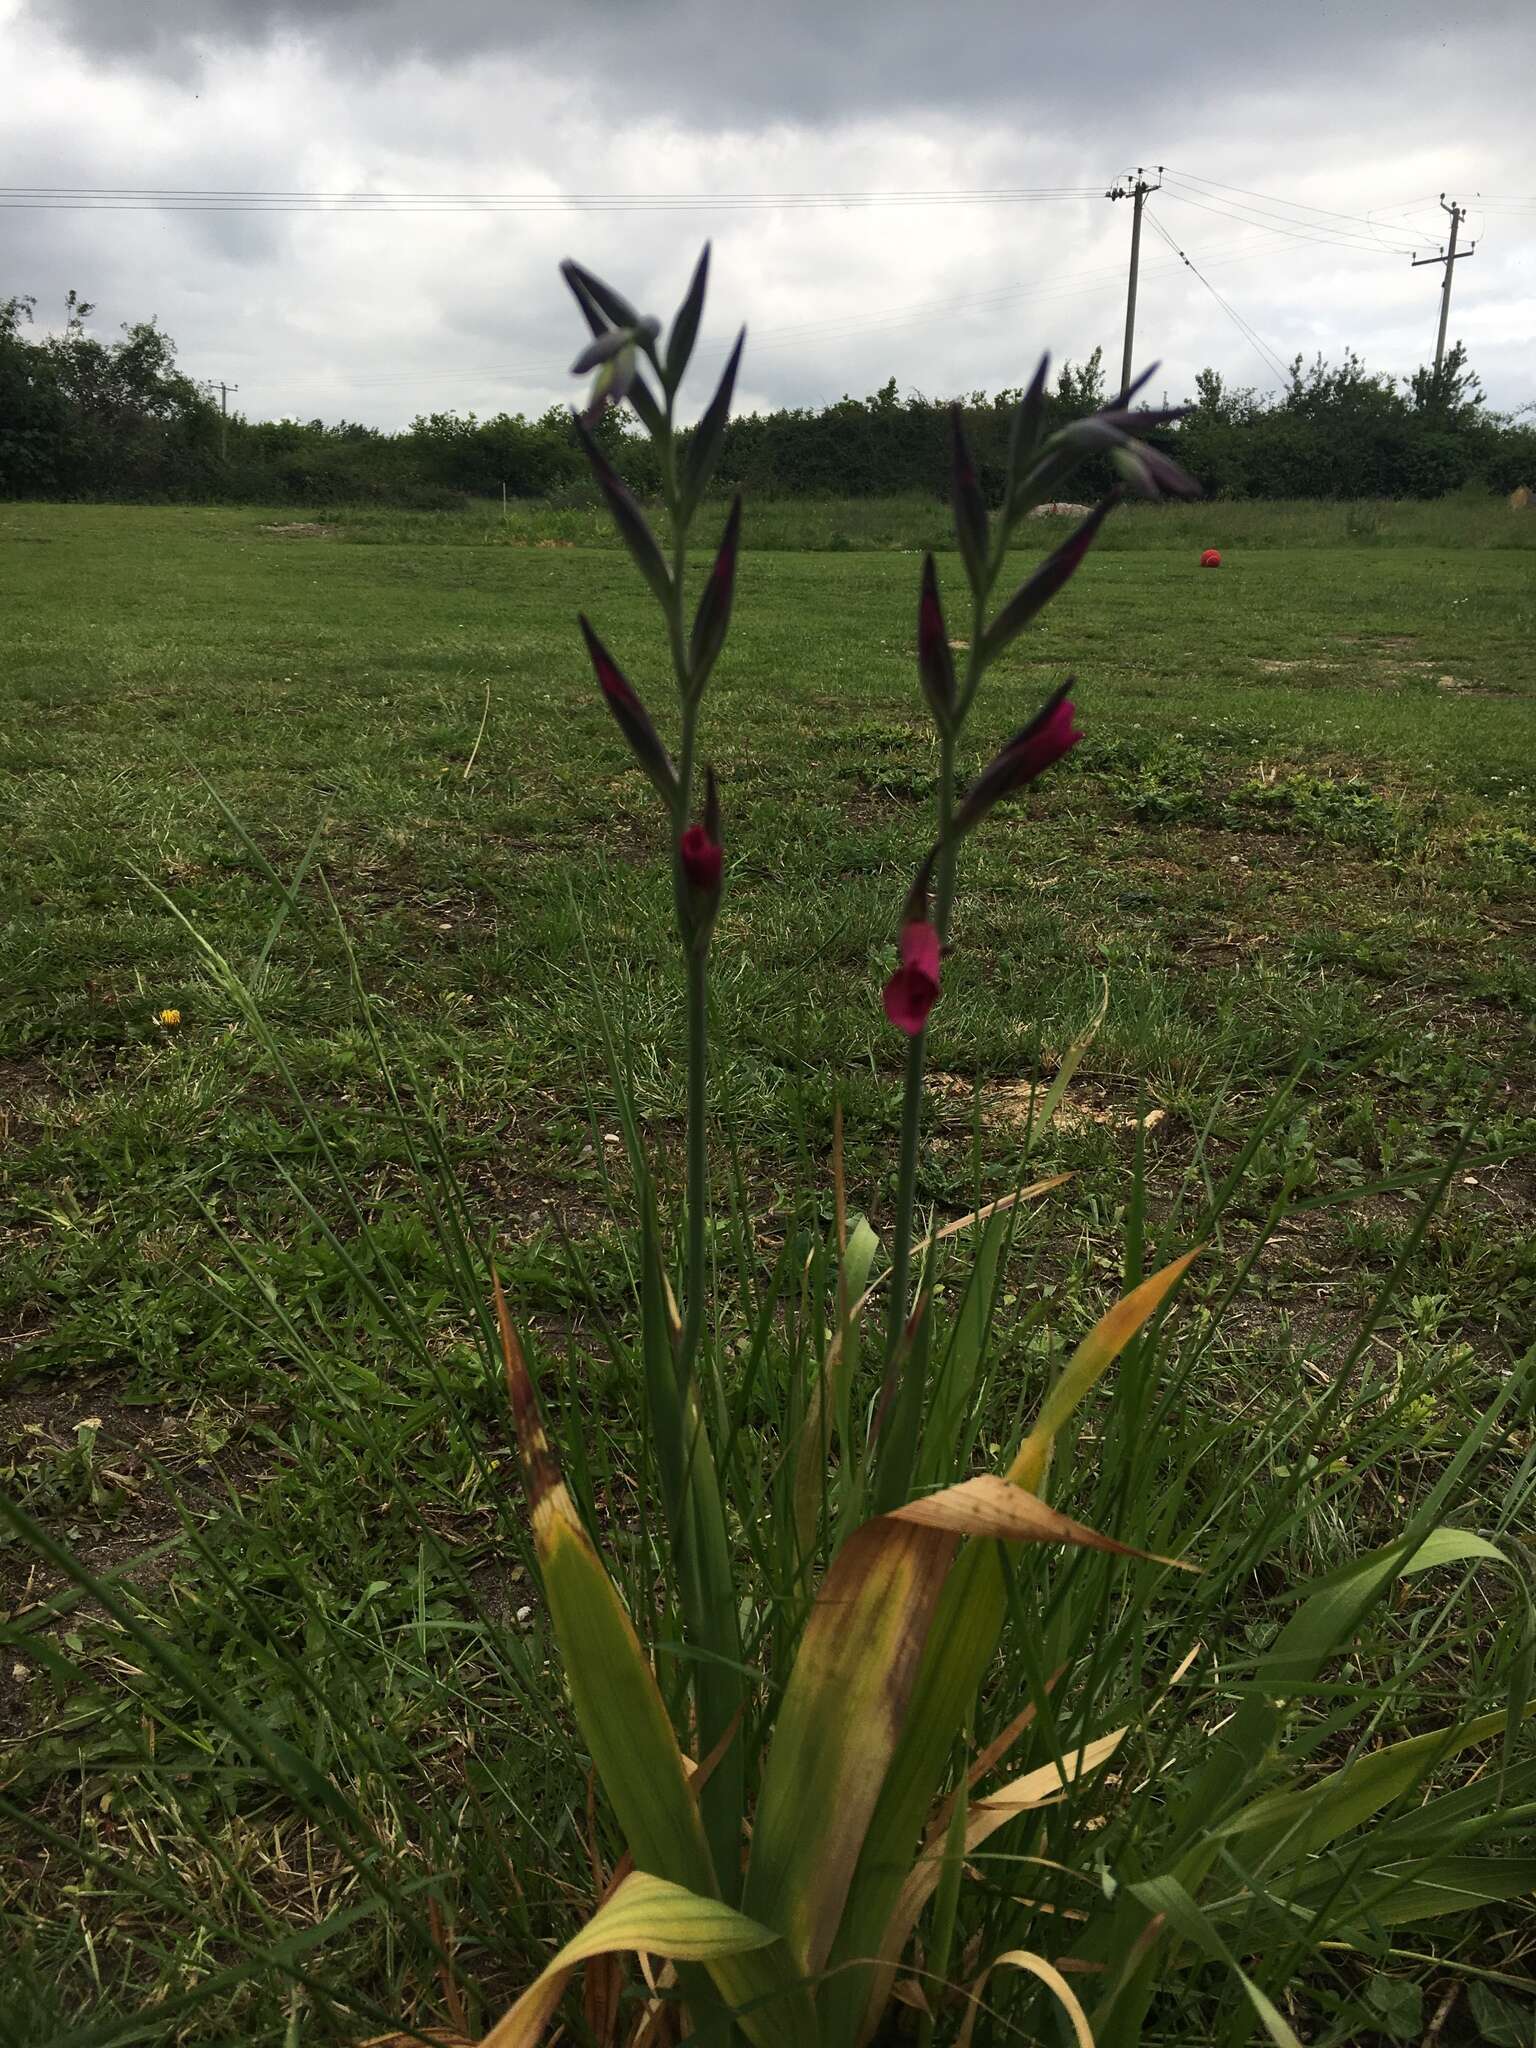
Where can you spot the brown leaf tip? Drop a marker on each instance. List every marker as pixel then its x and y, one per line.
pixel 540 1472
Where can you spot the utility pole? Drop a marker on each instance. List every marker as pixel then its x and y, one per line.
pixel 1447 256
pixel 1136 192
pixel 224 391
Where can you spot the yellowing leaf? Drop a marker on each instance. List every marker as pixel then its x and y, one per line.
pixel 645 1914
pixel 1049 1975
pixel 837 1726
pixel 1088 1364
pixel 983 1819
pixel 846 1702
pixel 961 1642
pixel 613 1689
pixel 990 1506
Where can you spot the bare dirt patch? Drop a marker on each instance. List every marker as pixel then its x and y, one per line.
pixel 99 1472
pixel 1014 1105
pixel 1459 687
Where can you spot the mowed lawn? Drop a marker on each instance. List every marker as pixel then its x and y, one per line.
pixel 1301 827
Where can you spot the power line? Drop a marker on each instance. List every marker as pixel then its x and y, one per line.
pixel 1249 333
pixel 1296 205
pixel 213 199
pixel 1271 225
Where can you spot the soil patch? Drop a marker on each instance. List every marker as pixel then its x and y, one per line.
pixel 1014 1105
pixel 81 1461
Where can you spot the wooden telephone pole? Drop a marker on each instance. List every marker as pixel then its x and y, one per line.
pixel 1449 256
pixel 1136 192
pixel 224 391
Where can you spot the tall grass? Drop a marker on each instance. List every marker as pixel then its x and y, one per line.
pixel 954 1659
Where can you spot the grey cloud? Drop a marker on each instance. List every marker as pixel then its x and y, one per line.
pixel 343 315
pixel 799 59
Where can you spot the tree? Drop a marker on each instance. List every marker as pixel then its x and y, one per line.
pixel 1080 387
pixel 1215 399
pixel 32 409
pixel 1452 394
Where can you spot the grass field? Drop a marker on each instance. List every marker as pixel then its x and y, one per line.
pixel 1302 823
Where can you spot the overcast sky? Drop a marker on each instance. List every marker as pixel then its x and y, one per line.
pixel 1306 145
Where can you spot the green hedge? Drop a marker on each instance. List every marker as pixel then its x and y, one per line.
pixel 82 418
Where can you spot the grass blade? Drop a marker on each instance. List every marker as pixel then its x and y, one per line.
pixel 1165 1895
pixel 1284 1827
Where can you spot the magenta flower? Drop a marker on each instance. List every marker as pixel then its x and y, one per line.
pixel 1048 735
pixel 913 989
pixel 702 858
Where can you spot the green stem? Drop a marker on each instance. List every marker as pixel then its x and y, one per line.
pixel 906 1192
pixel 697 1015
pixel 944 884
pixel 899 1451
pixel 710 1621
pixel 912 1102
pixel 698 1158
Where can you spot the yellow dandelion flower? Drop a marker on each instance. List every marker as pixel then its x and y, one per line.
pixel 167 1016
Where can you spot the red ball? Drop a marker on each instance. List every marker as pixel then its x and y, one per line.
pixel 1210 559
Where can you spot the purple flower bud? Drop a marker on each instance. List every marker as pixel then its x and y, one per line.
pixel 685 326
pixel 599 302
pixel 702 859
pixel 1164 475
pixel 969 507
pixel 1049 735
pixel 913 989
pixel 1132 472
pixel 628 518
pixel 634 721
pixel 1038 588
pixel 935 663
pixel 1142 419
pixel 1028 424
pixel 714 613
pixel 1090 435
pixel 1136 384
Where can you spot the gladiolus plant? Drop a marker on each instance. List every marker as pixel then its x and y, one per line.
pixel 810 1789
